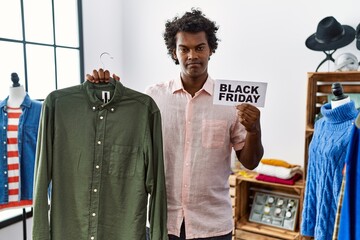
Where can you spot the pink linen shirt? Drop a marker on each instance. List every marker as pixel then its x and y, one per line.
pixel 198 138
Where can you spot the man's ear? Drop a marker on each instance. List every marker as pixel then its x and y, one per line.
pixel 174 55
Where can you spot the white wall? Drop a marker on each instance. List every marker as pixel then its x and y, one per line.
pixel 261 40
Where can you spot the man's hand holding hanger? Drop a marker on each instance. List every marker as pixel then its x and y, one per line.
pixel 101 76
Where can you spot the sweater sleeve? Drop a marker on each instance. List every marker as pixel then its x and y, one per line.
pixel 155 180
pixel 308 219
pixel 42 176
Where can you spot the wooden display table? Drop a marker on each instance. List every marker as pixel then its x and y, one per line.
pixel 246 186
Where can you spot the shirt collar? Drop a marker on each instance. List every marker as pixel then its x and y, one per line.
pixel 115 86
pixel 207 87
pixel 26 102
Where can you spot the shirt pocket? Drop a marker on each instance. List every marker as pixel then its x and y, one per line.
pixel 123 161
pixel 30 134
pixel 213 133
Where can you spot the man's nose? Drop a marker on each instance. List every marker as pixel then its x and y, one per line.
pixel 192 54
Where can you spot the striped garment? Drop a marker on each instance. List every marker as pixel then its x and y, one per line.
pixel 13 161
pixel 13 153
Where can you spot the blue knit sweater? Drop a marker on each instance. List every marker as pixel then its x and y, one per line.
pixel 327 152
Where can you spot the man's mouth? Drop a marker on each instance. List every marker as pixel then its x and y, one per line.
pixel 193 64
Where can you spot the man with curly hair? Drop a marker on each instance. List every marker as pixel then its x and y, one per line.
pixel 199 136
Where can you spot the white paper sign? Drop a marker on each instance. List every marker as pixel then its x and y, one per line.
pixel 231 92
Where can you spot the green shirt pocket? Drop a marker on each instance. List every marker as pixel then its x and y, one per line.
pixel 123 160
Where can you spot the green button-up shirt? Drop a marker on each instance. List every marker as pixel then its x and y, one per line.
pixel 101 161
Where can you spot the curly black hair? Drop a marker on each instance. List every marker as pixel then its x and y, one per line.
pixel 193 22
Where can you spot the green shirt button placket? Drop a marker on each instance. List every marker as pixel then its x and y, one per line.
pixel 96 178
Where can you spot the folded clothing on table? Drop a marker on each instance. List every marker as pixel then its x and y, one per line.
pixel 290 181
pixel 277 162
pixel 276 171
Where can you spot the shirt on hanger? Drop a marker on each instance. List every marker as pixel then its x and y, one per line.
pixel 100 147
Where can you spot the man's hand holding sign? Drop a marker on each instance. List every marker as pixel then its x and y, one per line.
pixel 246 96
pixel 249 116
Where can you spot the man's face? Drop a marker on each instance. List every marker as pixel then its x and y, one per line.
pixel 193 52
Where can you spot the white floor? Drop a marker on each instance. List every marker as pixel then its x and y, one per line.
pixel 15 231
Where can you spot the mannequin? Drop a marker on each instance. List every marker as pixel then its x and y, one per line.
pixel 16 92
pixel 19 119
pixel 340 98
pixel 327 152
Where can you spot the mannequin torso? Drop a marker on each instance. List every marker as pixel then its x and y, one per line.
pixel 16 96
pixel 337 103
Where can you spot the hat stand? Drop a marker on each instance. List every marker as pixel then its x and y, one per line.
pixel 329 57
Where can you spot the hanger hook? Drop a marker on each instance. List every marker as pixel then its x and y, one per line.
pixel 101 55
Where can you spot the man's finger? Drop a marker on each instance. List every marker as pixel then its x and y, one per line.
pixel 101 74
pixel 117 78
pixel 107 75
pixel 89 78
pixel 95 75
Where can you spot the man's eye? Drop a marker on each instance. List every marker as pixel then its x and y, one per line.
pixel 183 50
pixel 200 49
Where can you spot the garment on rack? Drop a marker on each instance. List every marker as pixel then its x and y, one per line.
pixel 349 227
pixel 19 130
pixel 102 158
pixel 327 152
pixel 338 210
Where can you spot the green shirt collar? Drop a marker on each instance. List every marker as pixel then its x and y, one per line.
pixel 94 93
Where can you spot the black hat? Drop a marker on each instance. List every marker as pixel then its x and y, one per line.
pixel 330 35
pixel 358 37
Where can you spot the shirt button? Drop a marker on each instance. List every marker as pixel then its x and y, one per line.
pixel 99 142
pixel 101 117
pixel 112 109
pixel 4 157
pixel 95 190
pixel 97 166
pixel 5 185
pixel 5 172
pixel 92 238
pixel 185 185
pixel 94 214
